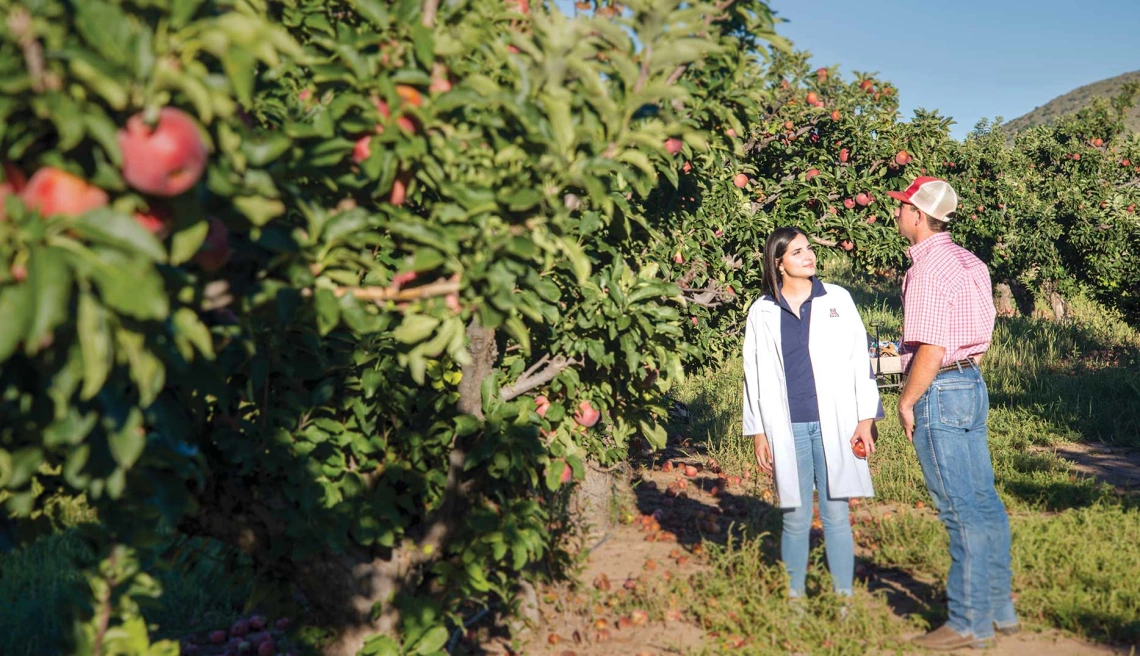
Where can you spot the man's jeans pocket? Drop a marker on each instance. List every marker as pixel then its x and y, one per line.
pixel 957 404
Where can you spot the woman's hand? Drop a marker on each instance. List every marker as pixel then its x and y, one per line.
pixel 763 452
pixel 865 433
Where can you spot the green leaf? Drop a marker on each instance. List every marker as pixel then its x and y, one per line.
pixel 240 67
pixel 146 369
pixel 432 642
pixel 107 226
pixel 5 468
pixel 95 344
pixel 373 11
pixel 266 149
pixel 49 280
pixel 259 210
pixel 16 306
pixel 106 28
pixel 415 328
pixel 181 11
pixel 186 242
pixel 127 443
pixel 25 462
pixel 188 327
pixel 577 257
pixel 328 310
pixel 654 433
pixel 423 43
pixel 128 287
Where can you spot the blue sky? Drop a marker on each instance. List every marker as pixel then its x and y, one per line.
pixel 968 58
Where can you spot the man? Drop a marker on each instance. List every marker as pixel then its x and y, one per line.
pixel 948 320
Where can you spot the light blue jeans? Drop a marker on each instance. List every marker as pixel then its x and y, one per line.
pixel 795 541
pixel 950 438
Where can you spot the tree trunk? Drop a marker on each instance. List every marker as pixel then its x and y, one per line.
pixel 1003 300
pixel 1056 301
pixel 594 501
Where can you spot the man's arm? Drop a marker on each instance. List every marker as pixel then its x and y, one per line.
pixel 923 368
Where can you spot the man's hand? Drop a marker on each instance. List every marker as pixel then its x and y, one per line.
pixel 906 419
pixel 864 432
pixel 763 452
pixel 923 368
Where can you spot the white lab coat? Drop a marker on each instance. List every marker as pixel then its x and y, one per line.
pixel 844 387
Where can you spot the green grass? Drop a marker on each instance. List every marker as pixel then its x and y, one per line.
pixel 1076 541
pixel 205 585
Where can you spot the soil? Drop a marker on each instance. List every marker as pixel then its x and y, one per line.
pixel 1116 465
pixel 620 556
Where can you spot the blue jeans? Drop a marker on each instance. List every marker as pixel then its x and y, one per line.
pixel 950 438
pixel 795 541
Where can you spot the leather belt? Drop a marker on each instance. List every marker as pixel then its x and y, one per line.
pixel 959 365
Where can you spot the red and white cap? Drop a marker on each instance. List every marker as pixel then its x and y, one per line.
pixel 931 195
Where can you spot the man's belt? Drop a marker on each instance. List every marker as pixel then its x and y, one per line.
pixel 959 365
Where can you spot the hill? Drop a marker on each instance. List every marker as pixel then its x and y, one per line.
pixel 1076 99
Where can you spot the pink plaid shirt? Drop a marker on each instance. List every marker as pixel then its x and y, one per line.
pixel 947 301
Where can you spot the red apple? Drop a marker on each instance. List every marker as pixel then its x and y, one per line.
pixel 165 159
pixel 844 155
pixel 1125 162
pixel 812 97
pixel 867 85
pixel 52 191
pixel 217 637
pixel 902 158
pixel 1076 156
pixel 239 629
pixel 846 244
pixel 1098 142
pixel 811 173
pixel 789 126
pixel 673 145
pixel 266 648
pixel 399 192
pixel 835 115
pixel 586 416
pixel 849 203
pixel 678 258
pixel 870 219
pixel 567 473
pixel 859 449
pixel 156 220
pixel 686 167
pixel 215 251
pixel 863 199
pixel 690 471
pixel 731 133
pixel 305 95
pixel 740 180
pixel 694 320
pixel 542 405
pixel 362 150
pixel 257 622
pixel 667 467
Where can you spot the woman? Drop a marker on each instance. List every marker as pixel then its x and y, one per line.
pixel 809 398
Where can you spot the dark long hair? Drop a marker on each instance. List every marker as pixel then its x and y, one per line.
pixel 775 249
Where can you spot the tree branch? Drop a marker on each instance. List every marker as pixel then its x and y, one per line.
pixel 429 11
pixel 531 380
pixel 20 25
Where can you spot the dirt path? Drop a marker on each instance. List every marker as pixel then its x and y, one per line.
pixel 574 620
pixel 1115 465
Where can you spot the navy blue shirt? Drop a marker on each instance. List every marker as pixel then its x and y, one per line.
pixel 798 373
